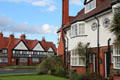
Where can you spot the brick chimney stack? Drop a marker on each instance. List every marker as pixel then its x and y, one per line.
pixel 65 11
pixel 1 34
pixel 23 36
pixel 11 36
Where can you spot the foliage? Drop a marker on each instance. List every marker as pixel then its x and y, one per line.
pixel 53 66
pixel 115 27
pixel 76 76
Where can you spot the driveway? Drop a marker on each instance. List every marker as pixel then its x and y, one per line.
pixel 12 71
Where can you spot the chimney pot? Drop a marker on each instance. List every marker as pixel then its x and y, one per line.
pixel 23 36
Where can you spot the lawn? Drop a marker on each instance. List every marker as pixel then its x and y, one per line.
pixel 29 76
pixel 18 67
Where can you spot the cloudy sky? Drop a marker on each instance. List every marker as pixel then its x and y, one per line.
pixel 35 18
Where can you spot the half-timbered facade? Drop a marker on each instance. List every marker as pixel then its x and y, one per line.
pixel 21 51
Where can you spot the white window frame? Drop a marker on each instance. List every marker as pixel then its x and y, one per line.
pixel 3 60
pixel 90 6
pixel 35 60
pixel 116 57
pixel 74 30
pixel 23 60
pixel 81 29
pixel 75 59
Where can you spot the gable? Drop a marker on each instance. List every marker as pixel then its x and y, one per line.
pixel 51 49
pixel 87 1
pixel 21 46
pixel 38 47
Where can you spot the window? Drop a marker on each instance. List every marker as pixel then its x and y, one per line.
pixel 90 6
pixel 35 60
pixel 116 57
pixel 4 51
pixel 23 60
pixel 74 30
pixel 116 10
pixel 77 60
pixel 77 29
pixel 81 29
pixel 3 60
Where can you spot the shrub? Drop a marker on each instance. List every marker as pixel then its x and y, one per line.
pixel 53 66
pixel 76 76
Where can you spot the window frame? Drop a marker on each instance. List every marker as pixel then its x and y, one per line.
pixel 90 6
pixel 116 57
pixel 76 59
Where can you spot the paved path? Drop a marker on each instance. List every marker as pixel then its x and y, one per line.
pixel 12 71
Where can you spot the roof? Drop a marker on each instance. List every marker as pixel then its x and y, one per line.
pixel 8 42
pixel 81 16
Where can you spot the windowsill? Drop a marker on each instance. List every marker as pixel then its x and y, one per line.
pixel 79 36
pixel 78 65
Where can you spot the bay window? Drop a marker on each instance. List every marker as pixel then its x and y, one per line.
pixel 77 60
pixel 77 29
pixel 116 57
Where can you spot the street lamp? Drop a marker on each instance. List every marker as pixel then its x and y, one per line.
pixel 98 45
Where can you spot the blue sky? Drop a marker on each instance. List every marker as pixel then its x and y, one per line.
pixel 35 18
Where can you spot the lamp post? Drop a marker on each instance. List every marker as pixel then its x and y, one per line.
pixel 98 45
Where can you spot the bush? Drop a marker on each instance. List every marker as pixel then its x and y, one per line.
pixel 76 76
pixel 53 66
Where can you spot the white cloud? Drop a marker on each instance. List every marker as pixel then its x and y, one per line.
pixel 9 25
pixel 76 2
pixel 41 3
pixel 51 8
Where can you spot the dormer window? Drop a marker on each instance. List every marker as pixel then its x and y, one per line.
pixel 4 51
pixel 90 6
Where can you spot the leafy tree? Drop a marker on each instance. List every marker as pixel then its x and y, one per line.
pixel 115 27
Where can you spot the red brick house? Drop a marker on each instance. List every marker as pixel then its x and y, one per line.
pixel 21 51
pixel 84 28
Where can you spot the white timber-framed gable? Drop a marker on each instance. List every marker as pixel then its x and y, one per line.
pixel 38 47
pixel 21 46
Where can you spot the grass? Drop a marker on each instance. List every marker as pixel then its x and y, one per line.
pixel 29 76
pixel 18 67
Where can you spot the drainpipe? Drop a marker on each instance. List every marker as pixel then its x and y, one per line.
pixel 98 43
pixel 108 57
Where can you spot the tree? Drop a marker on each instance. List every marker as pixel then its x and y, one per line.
pixel 115 27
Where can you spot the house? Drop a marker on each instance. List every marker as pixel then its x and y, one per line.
pixel 97 15
pixel 21 51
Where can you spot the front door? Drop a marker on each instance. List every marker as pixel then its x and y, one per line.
pixel 17 61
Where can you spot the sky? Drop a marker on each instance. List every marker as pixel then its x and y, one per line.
pixel 35 18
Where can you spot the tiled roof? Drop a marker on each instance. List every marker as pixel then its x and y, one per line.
pixel 7 42
pixel 102 5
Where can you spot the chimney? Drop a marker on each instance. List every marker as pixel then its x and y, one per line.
pixel 1 34
pixel 11 36
pixel 43 39
pixel 23 36
pixel 65 11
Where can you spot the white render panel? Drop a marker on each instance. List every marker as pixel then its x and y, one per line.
pixel 21 46
pixel 50 49
pixel 91 37
pixel 38 47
